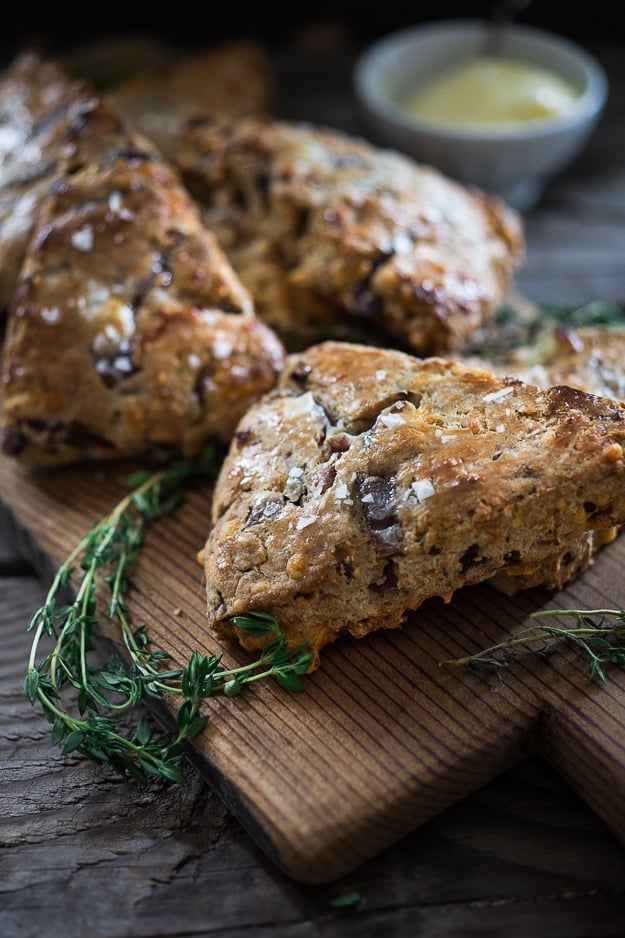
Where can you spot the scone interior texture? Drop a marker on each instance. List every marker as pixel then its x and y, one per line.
pixel 128 331
pixel 369 481
pixel 329 232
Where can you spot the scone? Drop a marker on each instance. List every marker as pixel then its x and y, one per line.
pixel 39 97
pixel 129 332
pixel 331 233
pixel 369 481
pixel 591 359
pixel 233 78
pixel 38 101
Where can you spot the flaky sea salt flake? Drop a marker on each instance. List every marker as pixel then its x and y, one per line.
pixel 498 395
pixel 82 239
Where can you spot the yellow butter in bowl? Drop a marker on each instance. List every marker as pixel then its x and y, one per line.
pixel 490 90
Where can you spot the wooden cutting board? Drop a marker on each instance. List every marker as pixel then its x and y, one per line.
pixel 385 736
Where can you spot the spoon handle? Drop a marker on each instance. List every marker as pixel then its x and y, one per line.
pixel 502 14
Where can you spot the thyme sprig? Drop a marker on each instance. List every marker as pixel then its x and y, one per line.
pixel 602 642
pixel 84 702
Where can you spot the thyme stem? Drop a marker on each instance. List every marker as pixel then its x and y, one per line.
pixel 103 694
pixel 601 642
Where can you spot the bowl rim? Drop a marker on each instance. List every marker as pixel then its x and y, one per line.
pixel 587 107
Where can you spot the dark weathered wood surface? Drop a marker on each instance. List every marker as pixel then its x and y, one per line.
pixel 83 853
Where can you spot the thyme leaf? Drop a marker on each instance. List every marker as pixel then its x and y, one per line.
pixel 86 704
pixel 599 634
pixel 346 900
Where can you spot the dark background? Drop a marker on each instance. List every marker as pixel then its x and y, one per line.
pixel 60 25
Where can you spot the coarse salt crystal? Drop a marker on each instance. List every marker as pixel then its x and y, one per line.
pixel 209 316
pixel 497 395
pixel 222 348
pixel 118 208
pixel 402 242
pixel 302 405
pixel 423 489
pixel 305 521
pixel 50 314
pixel 125 318
pixel 82 239
pixel 392 420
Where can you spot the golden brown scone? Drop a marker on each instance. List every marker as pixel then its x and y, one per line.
pixel 129 333
pixel 39 96
pixel 330 232
pixel 369 481
pixel 38 101
pixel 591 359
pixel 234 78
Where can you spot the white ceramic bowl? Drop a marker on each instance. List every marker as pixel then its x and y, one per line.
pixel 516 162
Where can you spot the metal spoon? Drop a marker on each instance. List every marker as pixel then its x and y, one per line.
pixel 502 14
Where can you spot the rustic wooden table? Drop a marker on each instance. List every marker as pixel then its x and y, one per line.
pixel 84 853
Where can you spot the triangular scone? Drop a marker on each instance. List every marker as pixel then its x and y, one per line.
pixel 129 333
pixel 370 481
pixel 327 230
pixel 39 97
pixel 38 100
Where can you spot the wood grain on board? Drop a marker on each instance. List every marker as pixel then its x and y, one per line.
pixel 386 735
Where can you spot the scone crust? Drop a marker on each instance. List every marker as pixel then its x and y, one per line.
pixel 38 101
pixel 590 358
pixel 370 481
pixel 325 228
